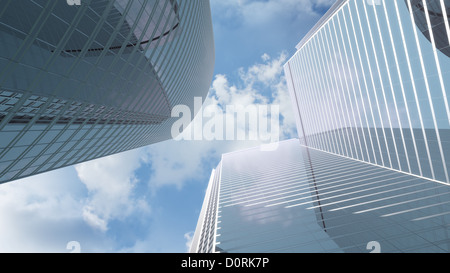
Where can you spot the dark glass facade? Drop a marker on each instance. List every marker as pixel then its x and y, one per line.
pixel 82 82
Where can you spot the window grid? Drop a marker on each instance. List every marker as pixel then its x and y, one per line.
pixel 81 129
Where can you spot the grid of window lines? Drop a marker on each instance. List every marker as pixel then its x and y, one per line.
pixel 43 132
pixel 102 114
pixel 301 199
pixel 205 241
pixel 251 181
pixel 367 84
pixel 362 202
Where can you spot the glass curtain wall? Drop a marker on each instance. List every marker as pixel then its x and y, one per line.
pixel 371 82
pixel 82 82
pixel 300 199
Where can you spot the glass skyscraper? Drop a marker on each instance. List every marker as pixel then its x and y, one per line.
pixel 370 170
pixel 297 199
pixel 370 82
pixel 78 82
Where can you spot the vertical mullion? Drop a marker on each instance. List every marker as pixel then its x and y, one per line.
pixel 438 66
pixel 333 119
pixel 339 129
pixel 319 89
pixel 344 106
pixel 297 90
pixel 382 90
pixel 393 96
pixel 360 90
pixel 293 95
pixel 330 133
pixel 300 93
pixel 374 91
pixel 306 93
pixel 411 15
pixel 416 98
pixel 372 111
pixel 403 94
pixel 348 89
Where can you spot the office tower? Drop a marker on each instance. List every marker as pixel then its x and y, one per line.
pixel 371 82
pixel 78 82
pixel 299 199
pixel 369 172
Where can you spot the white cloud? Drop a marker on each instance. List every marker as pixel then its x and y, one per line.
pixel 265 57
pixel 258 13
pixel 175 162
pixel 267 73
pixel 189 236
pixel 93 220
pixel 255 83
pixel 110 182
pixel 40 213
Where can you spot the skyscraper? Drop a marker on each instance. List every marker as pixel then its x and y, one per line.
pixel 370 82
pixel 78 82
pixel 370 170
pixel 299 199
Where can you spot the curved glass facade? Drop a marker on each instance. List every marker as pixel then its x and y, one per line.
pixel 371 82
pixel 82 82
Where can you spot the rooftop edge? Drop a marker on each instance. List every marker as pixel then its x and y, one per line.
pixel 331 11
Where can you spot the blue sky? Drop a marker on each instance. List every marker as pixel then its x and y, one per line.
pixel 148 200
